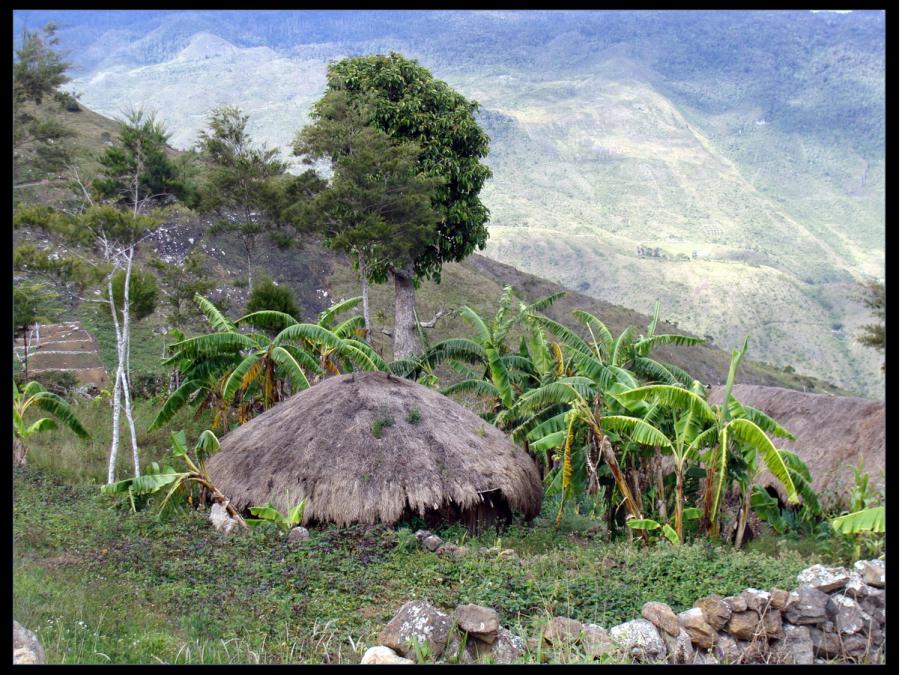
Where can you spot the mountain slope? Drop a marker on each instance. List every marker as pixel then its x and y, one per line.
pixel 729 164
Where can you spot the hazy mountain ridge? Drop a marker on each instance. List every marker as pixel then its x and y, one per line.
pixel 635 155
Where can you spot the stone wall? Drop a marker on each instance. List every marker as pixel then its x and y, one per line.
pixel 834 615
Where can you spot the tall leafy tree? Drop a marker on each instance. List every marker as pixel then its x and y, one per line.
pixel 406 102
pixel 39 69
pixel 377 207
pixel 242 186
pixel 136 171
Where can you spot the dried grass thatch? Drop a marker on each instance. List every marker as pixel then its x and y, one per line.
pixel 831 431
pixel 320 444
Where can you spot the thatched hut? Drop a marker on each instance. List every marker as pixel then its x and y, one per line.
pixel 367 447
pixel 832 432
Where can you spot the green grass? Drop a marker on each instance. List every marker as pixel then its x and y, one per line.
pixel 101 584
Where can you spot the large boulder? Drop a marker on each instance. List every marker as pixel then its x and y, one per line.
pixel 750 625
pixel 640 640
pixel 416 621
pixel 26 647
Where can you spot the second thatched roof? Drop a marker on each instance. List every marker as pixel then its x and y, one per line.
pixel 369 447
pixel 832 432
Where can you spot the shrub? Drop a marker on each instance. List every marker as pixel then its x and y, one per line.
pixel 60 382
pixel 380 423
pixel 414 416
pixel 266 295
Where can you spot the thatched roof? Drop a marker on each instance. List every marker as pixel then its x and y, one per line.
pixel 831 431
pixel 320 444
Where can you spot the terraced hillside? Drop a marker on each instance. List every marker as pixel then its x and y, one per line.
pixel 64 347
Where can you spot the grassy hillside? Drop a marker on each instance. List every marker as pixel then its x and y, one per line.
pixel 318 277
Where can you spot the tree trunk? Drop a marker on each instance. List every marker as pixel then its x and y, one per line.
pixel 406 342
pixel 660 485
pixel 20 452
pixel 742 520
pixel 610 458
pixel 679 501
pixel 364 274
pixel 126 380
pixel 114 448
pixel 25 360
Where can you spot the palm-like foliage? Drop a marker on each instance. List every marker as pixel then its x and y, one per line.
pixel 252 371
pixel 489 368
pixel 156 477
pixel 33 395
pixel 728 430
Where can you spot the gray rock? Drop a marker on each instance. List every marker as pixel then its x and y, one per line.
pixel 795 646
pixel 27 648
pixel 661 616
pixel 561 630
pixel 596 641
pixel 422 535
pixel 846 614
pixel 856 588
pixel 383 656
pixel 749 625
pixel 416 621
pixel 735 603
pixel 716 611
pixel 825 579
pixel 809 607
pixel 432 542
pixel 705 658
pixel 826 644
pixel 679 648
pixel 727 649
pixel 780 599
pixel 459 649
pixel 504 650
pixel 481 623
pixel 756 599
pixel 640 640
pixel 297 535
pixel 694 622
pixel 872 571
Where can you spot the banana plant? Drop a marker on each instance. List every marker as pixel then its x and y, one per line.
pixel 726 429
pixel 505 375
pixel 269 514
pixel 156 478
pixel 575 422
pixel 33 395
pixel 220 366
